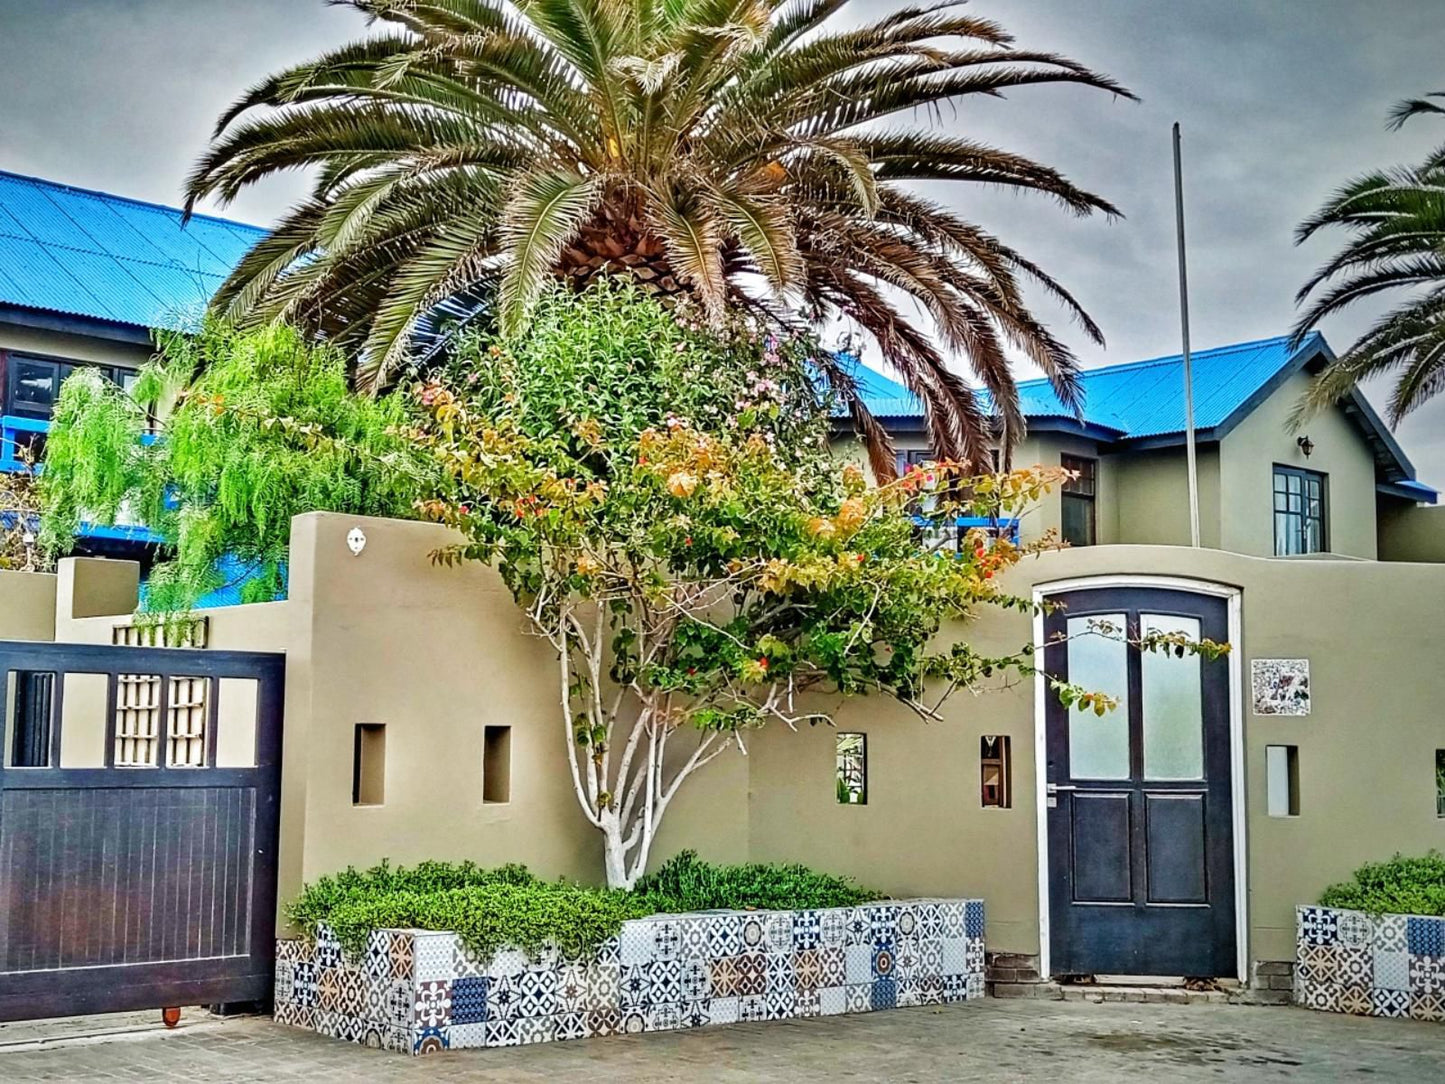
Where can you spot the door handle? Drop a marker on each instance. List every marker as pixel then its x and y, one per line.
pixel 1055 788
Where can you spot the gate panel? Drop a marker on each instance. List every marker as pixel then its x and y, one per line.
pixel 151 881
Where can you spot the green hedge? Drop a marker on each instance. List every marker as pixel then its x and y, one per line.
pixel 1402 886
pixel 489 908
pixel 686 883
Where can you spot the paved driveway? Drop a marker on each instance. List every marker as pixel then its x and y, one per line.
pixel 1003 1040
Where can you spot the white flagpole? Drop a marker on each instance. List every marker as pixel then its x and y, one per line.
pixel 1184 328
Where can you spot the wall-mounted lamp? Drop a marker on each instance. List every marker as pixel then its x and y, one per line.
pixel 1305 444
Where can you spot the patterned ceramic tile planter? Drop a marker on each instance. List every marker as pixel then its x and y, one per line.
pixel 421 991
pixel 1370 965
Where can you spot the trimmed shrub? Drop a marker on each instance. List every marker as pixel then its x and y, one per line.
pixel 687 883
pixel 490 908
pixel 490 916
pixel 1403 886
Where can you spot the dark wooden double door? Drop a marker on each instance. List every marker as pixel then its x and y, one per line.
pixel 1139 799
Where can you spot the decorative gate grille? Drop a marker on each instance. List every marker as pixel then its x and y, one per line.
pixel 139 812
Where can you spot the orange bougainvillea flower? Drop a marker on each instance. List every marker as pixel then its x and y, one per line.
pixel 681 484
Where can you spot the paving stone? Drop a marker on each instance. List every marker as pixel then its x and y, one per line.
pixel 989 1040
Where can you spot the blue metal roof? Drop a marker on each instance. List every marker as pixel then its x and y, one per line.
pixel 1142 402
pixel 1136 399
pixel 84 253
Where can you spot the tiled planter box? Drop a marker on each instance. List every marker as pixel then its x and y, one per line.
pixel 420 991
pixel 1370 965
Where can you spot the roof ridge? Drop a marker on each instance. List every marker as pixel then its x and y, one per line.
pixel 1174 359
pixel 115 197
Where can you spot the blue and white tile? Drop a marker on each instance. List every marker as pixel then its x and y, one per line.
pixel 328 947
pixel 832 1001
pixel 884 994
pixel 536 1029
pixel 571 1025
pixel 377 957
pixel 833 926
pixel 859 996
pixel 1389 1003
pixel 724 935
pixel 754 934
pixel 504 998
pixel 955 987
pixel 973 918
pixel 537 992
pixel 954 916
pixel 881 921
pixel 905 921
pixel 695 979
pixel 859 928
pixel 435 957
pixel 930 920
pixel 974 986
pixel 752 1008
pixel 636 944
pixel 1390 933
pixel 1427 974
pixel 469 1000
pixel 430 1040
pixel 634 1022
pixel 1425 936
pixel 858 964
pixel 697 1013
pixel 666 939
pixel 503 1032
pixel 1318 925
pixel 664 1016
pixel 807 929
pixel 283 984
pixel 781 1003
pixel 467 1036
pixel 1355 928
pixel 665 981
pixel 778 932
pixel 953 956
pixel 634 988
pixel 1391 970
pixel 724 1010
pixel 974 956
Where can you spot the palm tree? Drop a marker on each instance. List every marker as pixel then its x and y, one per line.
pixel 741 152
pixel 1396 222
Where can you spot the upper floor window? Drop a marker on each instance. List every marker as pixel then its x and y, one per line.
pixel 1299 511
pixel 32 384
pixel 1077 500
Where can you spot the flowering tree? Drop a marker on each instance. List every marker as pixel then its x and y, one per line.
pixel 678 531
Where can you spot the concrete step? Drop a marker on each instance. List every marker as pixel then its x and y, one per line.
pixel 1133 994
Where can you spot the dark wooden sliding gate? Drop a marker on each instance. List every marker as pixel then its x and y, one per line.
pixel 139 811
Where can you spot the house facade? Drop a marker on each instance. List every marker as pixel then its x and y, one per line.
pixel 86 278
pixel 1341 485
pixel 1171 837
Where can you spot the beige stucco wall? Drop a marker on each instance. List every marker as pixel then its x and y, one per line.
pixel 1246 466
pixel 56 344
pixel 437 654
pixel 1366 750
pixel 27 606
pixel 1411 532
pixel 1152 489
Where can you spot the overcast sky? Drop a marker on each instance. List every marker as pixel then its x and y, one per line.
pixel 1281 101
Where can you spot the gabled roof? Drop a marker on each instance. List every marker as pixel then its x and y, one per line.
pixel 80 253
pixel 1140 404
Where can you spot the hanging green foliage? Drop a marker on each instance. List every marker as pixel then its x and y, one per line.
pixel 194 452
